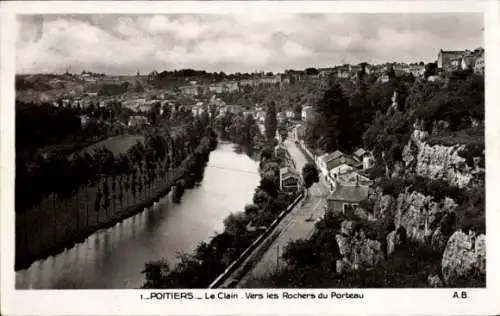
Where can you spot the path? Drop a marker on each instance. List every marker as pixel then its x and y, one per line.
pixel 299 223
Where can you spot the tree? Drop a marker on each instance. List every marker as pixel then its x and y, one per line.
pixel 430 70
pixel 311 71
pixel 391 72
pixel 156 274
pixel 297 110
pixel 309 175
pixel 138 87
pixel 283 132
pixel 268 186
pixel 331 119
pixel 271 122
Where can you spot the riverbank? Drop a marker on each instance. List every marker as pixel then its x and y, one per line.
pixel 241 230
pixel 73 236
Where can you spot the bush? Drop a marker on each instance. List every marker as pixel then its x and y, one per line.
pixel 393 186
pixel 301 253
pixel 471 151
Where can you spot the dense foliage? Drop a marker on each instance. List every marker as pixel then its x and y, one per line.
pixel 382 116
pixel 239 129
pixel 45 124
pixel 271 122
pixel 62 175
pixel 310 175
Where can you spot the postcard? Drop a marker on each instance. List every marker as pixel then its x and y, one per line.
pixel 252 157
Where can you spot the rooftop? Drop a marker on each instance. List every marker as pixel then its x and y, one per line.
pixel 349 193
pixel 289 170
pixel 334 163
pixel 328 157
pixel 360 152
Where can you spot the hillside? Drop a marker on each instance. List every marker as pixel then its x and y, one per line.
pixel 423 224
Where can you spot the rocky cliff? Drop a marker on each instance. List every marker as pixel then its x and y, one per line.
pixel 439 161
pixel 356 249
pixel 421 219
pixel 464 257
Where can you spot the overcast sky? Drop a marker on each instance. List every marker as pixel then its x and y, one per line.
pixel 119 44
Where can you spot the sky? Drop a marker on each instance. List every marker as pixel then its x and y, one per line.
pixel 124 44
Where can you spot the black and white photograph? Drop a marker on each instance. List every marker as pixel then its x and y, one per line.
pixel 233 151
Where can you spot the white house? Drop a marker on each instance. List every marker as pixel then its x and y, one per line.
pixel 352 177
pixel 290 180
pixel 323 160
pixel 281 116
pixel 298 132
pixel 290 114
pixel 365 157
pixel 137 120
pixel 339 166
pixel 307 113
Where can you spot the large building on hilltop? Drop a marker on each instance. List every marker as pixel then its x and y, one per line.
pixel 445 58
pixel 454 60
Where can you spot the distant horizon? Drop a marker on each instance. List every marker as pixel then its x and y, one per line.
pixel 120 44
pixel 200 69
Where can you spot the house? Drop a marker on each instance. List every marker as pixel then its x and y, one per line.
pixel 248 113
pixel 340 166
pixel 467 62
pixel 215 88
pixel 433 78
pixel 446 59
pixel 235 109
pixel 270 80
pixel 191 90
pixel 290 180
pixel 231 86
pixel 247 83
pixel 346 198
pixel 365 157
pixel 290 114
pixel 479 63
pixel 260 116
pixel 384 78
pixel 307 113
pixel 294 76
pixel 137 121
pixel 351 178
pixel 343 72
pixel 325 72
pixel 298 132
pixel 197 110
pixel 403 68
pixel 354 68
pixel 417 70
pixel 281 116
pixel 322 161
pixel 152 76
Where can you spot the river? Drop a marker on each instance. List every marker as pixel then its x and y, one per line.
pixel 114 258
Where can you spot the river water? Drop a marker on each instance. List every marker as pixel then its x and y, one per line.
pixel 114 258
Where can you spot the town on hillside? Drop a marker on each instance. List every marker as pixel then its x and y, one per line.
pixel 333 175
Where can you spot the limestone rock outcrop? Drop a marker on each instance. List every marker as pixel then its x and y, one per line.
pixel 434 281
pixel 464 256
pixel 357 250
pixel 438 161
pixel 420 216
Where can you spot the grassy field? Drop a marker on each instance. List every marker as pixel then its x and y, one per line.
pixel 116 144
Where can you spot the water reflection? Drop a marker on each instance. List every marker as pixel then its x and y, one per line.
pixel 114 258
